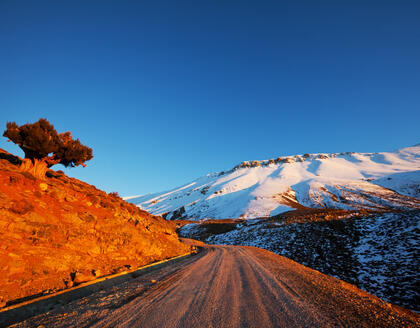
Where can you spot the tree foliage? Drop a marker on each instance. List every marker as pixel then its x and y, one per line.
pixel 40 141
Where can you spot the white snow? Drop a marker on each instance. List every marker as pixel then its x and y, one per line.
pixel 345 180
pixel 406 183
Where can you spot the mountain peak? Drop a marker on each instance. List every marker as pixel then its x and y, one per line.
pixel 346 180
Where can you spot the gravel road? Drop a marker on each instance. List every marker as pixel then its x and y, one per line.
pixel 230 286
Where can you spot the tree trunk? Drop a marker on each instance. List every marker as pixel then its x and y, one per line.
pixel 37 168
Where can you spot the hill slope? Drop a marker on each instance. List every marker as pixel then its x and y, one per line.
pixel 377 181
pixel 60 231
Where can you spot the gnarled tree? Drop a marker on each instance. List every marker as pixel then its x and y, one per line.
pixel 71 152
pixel 44 147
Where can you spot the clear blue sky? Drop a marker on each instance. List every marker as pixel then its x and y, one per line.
pixel 166 91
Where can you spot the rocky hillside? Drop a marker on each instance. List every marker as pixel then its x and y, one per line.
pixel 350 181
pixel 59 231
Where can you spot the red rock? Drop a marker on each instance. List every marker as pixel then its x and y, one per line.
pixel 49 238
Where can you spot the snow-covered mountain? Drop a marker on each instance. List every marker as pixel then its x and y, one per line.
pixel 266 188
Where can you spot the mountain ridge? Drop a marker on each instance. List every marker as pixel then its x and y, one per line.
pixel 263 188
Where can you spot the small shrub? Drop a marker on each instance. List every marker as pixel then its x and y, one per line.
pixel 114 194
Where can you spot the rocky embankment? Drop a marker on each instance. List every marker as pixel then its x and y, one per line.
pixel 59 231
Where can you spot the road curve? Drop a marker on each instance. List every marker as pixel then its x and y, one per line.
pixel 231 286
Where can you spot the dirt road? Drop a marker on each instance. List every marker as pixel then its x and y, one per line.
pixel 230 286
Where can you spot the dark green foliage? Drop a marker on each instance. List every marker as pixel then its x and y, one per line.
pixel 41 141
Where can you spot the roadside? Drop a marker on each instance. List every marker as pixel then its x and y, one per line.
pixel 38 306
pixel 230 286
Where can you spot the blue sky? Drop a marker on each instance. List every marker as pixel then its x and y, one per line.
pixel 166 91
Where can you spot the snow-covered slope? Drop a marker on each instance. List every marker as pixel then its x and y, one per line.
pixel 266 188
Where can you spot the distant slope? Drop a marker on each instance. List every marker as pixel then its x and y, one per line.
pixel 376 181
pixel 405 183
pixel 60 231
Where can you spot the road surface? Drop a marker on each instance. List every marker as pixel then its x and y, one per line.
pixel 230 286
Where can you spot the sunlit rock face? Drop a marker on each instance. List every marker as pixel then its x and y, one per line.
pixel 59 231
pixel 252 189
